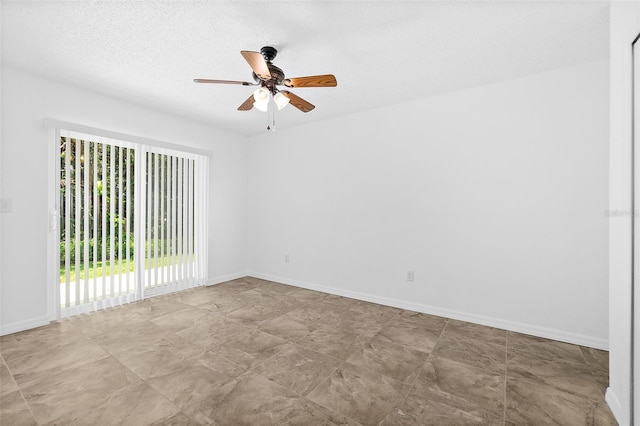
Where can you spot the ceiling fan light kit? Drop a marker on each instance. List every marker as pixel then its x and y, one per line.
pixel 268 97
pixel 262 106
pixel 261 95
pixel 281 100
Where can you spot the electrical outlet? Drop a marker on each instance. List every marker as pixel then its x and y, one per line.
pixel 410 276
pixel 286 258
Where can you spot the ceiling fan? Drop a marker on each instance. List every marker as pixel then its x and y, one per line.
pixel 269 77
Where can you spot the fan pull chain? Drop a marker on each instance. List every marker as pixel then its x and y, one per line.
pixel 268 113
pixel 271 115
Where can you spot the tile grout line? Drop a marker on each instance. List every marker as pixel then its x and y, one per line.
pixel 369 339
pixel 506 369
pixel 415 380
pixel 174 333
pixel 321 405
pixel 324 380
pixel 180 410
pixel 439 337
pixel 19 389
pixel 429 357
pixel 592 368
pixel 341 362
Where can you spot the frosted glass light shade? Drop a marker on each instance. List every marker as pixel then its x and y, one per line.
pixel 281 100
pixel 262 106
pixel 261 95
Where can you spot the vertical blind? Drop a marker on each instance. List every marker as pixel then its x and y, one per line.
pixel 175 249
pixel 133 221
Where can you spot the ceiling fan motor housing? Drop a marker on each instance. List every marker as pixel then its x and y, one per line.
pixel 277 75
pixel 269 53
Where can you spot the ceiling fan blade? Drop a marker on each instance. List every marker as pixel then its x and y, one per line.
pixel 204 80
pixel 325 80
pixel 298 102
pixel 257 63
pixel 247 105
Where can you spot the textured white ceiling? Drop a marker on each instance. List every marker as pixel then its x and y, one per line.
pixel 382 52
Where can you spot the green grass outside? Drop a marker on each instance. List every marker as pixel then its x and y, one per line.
pixel 98 269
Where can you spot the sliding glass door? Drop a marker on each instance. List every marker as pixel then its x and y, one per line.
pixel 174 212
pixel 132 221
pixel 96 222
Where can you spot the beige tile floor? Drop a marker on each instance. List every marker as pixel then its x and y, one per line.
pixel 252 352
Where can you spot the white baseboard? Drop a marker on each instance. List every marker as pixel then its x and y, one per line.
pixel 228 277
pixel 614 405
pixel 563 336
pixel 24 325
pixel 559 335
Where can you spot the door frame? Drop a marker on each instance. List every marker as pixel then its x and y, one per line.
pixel 53 239
pixel 635 288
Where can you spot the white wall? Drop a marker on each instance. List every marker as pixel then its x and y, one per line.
pixel 26 100
pixel 494 196
pixel 624 26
